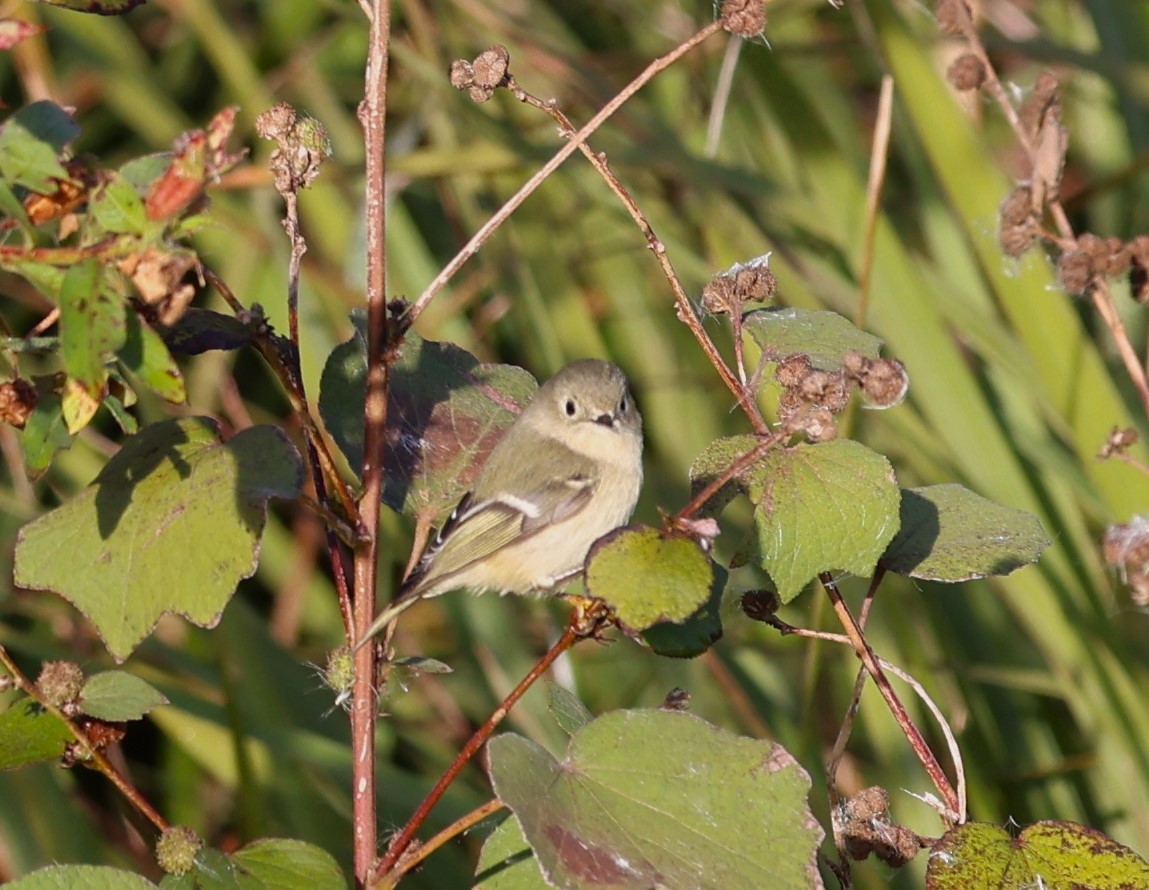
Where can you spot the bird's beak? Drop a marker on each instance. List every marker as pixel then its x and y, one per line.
pixel 607 420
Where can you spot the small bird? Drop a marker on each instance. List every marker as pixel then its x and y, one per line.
pixel 566 472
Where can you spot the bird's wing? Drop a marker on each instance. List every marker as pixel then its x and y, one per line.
pixel 478 528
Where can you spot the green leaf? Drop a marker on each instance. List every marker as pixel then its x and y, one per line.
pixel 91 326
pixel 697 632
pixel 44 434
pixel 119 696
pixel 648 577
pixel 81 877
pixel 507 862
pixel 146 355
pixel 717 457
pixel 567 708
pixel 91 322
pixel 30 145
pixel 29 734
pixel 285 864
pixel 817 508
pixel 1045 854
pixel 445 412
pixel 825 337
pixel 651 797
pixel 171 524
pixel 950 534
pixel 118 208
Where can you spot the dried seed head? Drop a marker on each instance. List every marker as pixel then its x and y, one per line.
pixel 302 145
pixel 855 364
pixel 678 699
pixel 1118 258
pixel 1126 547
pixel 1075 271
pixel 17 400
pixel 886 383
pixel 1139 268
pixel 481 77
pixel 948 16
pixel 819 426
pixel 760 604
pixel 966 72
pixel 1118 442
pixel 1018 230
pixel 744 18
pixel 793 369
pixel 750 282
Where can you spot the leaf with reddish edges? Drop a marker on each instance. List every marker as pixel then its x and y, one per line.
pixel 198 157
pixel 445 412
pixel 12 31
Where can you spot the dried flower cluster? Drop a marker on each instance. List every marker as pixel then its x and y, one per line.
pixel 728 292
pixel 862 825
pixel 482 76
pixel 1126 549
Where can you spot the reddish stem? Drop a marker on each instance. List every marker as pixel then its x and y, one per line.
pixel 404 838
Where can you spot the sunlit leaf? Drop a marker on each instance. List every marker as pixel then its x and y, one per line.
pixel 171 524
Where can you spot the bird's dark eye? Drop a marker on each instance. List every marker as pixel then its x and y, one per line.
pixel 569 407
pixel 622 406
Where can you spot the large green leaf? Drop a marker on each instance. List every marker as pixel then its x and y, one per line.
pixel 171 524
pixel 817 508
pixel 949 533
pixel 648 798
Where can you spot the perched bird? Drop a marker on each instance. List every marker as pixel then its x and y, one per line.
pixel 565 473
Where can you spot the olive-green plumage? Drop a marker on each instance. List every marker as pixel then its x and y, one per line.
pixel 566 472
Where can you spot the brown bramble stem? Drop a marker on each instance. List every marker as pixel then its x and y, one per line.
pixel 456 828
pixel 715 484
pixel 292 388
pixel 873 666
pixel 391 860
pixel 98 759
pixel 381 352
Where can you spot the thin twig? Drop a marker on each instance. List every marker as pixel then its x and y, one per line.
pixel 572 145
pixel 98 759
pixel 912 733
pixel 712 488
pixel 288 379
pixel 461 825
pixel 399 844
pixel 722 95
pixel 879 154
pixel 685 310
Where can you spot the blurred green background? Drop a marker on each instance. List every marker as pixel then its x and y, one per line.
pixel 1044 675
